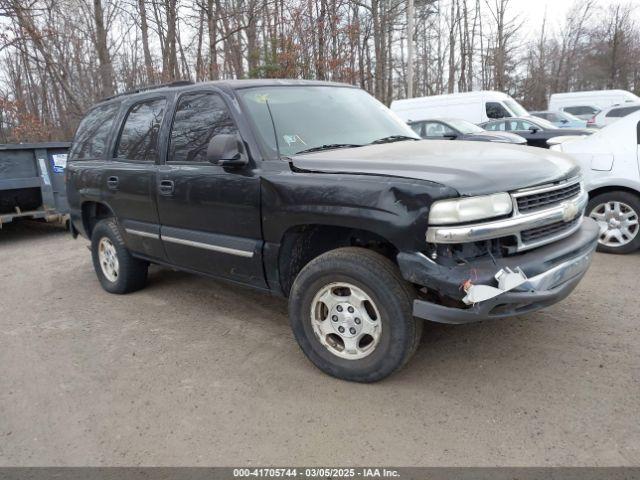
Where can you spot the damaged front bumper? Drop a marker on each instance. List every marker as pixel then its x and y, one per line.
pixel 552 272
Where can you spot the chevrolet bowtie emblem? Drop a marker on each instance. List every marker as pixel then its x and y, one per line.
pixel 569 212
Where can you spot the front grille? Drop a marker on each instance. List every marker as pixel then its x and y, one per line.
pixel 552 229
pixel 536 201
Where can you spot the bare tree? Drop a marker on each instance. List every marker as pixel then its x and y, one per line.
pixel 58 57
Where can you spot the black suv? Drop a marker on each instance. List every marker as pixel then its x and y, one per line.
pixel 317 192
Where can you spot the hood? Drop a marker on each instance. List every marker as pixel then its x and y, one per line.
pixel 472 169
pixel 505 137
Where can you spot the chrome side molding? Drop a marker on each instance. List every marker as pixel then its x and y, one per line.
pixel 208 246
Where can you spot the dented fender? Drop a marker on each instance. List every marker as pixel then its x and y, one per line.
pixel 393 208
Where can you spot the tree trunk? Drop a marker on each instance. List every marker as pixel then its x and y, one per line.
pixel 144 32
pixel 102 49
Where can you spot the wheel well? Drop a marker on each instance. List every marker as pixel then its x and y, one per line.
pixel 92 213
pixel 303 243
pixel 598 191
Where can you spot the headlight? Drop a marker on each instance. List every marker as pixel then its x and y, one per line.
pixel 472 208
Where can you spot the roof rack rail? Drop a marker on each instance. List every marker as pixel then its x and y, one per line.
pixel 176 83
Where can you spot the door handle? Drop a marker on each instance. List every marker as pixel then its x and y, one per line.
pixel 166 187
pixel 112 183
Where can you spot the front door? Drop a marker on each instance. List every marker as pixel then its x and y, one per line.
pixel 130 179
pixel 209 215
pixel 536 137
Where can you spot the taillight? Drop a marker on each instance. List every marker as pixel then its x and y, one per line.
pixel 592 120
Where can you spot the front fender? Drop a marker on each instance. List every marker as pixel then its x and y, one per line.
pixel 605 181
pixel 396 209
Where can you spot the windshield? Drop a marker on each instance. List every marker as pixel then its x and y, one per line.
pixel 308 117
pixel 517 109
pixel 465 127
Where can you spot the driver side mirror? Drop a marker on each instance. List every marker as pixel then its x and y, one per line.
pixel 533 129
pixel 227 150
pixel 451 136
pixel 564 120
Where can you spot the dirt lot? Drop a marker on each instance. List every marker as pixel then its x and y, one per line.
pixel 192 371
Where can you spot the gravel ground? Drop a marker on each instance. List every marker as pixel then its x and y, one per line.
pixel 191 371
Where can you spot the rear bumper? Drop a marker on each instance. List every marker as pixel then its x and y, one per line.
pixel 553 272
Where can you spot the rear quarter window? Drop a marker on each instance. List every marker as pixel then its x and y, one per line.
pixel 92 136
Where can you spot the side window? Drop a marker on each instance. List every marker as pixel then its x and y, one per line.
pixel 621 112
pixel 139 137
pixel 437 129
pixel 496 110
pixel 521 125
pixel 580 110
pixel 417 127
pixel 492 127
pixel 91 138
pixel 615 113
pixel 199 117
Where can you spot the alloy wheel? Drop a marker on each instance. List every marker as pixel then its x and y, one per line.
pixel 108 258
pixel 346 321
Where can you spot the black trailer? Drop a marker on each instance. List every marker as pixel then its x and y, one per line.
pixel 32 181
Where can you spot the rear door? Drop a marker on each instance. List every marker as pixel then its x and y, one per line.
pixel 130 180
pixel 209 215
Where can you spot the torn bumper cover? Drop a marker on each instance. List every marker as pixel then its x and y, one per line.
pixel 550 274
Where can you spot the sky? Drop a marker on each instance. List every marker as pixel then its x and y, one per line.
pixel 532 12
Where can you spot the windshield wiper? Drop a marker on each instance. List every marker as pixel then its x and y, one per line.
pixel 331 146
pixel 393 138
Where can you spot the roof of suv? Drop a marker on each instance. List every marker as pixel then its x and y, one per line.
pixel 231 84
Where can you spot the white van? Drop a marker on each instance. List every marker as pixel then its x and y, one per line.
pixel 586 105
pixel 475 107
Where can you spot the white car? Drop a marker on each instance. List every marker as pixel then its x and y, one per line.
pixel 610 161
pixel 613 114
pixel 474 107
pixel 586 105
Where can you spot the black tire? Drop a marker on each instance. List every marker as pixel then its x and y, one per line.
pixel 627 198
pixel 380 279
pixel 132 272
